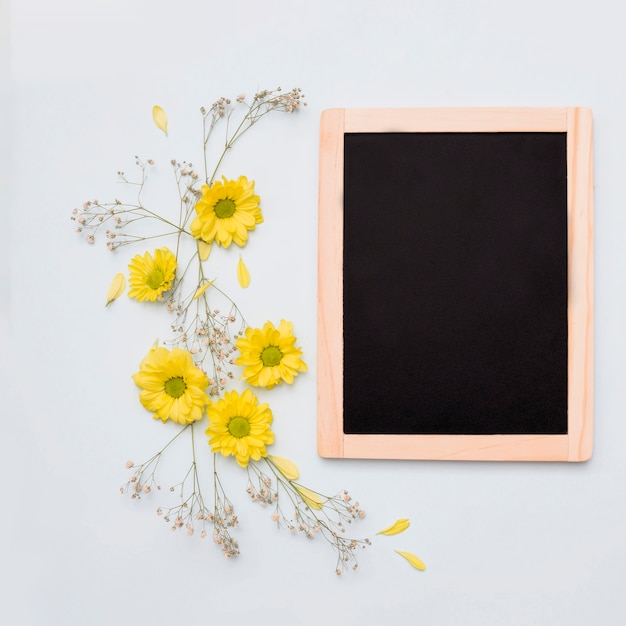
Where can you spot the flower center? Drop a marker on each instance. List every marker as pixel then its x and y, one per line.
pixel 175 387
pixel 155 278
pixel 238 427
pixel 224 208
pixel 271 356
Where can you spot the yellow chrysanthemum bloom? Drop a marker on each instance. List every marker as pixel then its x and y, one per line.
pixel 226 212
pixel 269 355
pixel 239 426
pixel 151 276
pixel 172 386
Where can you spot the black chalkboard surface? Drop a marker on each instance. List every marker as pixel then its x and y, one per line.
pixel 455 271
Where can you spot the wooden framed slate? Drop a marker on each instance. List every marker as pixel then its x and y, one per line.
pixel 455 289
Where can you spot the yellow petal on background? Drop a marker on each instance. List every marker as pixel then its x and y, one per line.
pixel 159 117
pixel 413 560
pixel 116 288
pixel 399 527
pixel 204 249
pixel 243 275
pixel 310 498
pixel 202 289
pixel 286 467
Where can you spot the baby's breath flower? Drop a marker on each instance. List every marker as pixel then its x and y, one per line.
pixel 313 513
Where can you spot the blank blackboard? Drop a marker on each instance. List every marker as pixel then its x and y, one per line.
pixel 455 284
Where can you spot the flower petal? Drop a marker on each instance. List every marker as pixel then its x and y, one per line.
pixel 310 498
pixel 116 288
pixel 286 467
pixel 416 562
pixel 243 275
pixel 204 249
pixel 160 119
pixel 202 289
pixel 398 527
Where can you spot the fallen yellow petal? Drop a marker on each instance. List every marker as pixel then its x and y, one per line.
pixel 243 275
pixel 286 467
pixel 204 249
pixel 116 288
pixel 413 560
pixel 160 119
pixel 202 289
pixel 310 498
pixel 398 527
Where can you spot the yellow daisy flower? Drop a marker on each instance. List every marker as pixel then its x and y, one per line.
pixel 239 426
pixel 269 355
pixel 172 386
pixel 226 212
pixel 151 276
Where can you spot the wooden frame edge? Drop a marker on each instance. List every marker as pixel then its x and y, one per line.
pixel 577 444
pixel 330 287
pixel 581 293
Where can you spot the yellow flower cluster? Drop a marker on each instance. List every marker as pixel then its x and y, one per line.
pixel 174 388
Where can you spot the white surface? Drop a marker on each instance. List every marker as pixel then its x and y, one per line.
pixel 504 543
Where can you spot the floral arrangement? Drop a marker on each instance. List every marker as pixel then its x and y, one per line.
pixel 189 382
pixel 186 381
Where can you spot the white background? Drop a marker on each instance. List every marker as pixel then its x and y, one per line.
pixel 504 543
